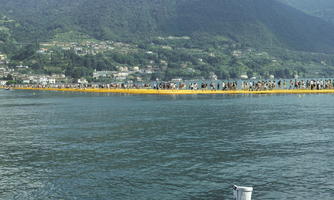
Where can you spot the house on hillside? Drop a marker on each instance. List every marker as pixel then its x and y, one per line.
pixel 237 53
pixel 44 80
pixel 26 81
pixel 102 74
pixel 121 76
pixel 22 67
pixel 2 71
pixel 123 69
pixel 244 76
pixel 3 83
pixel 82 81
pixel 42 50
pixel 3 57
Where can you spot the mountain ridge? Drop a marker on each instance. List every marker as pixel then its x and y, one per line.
pixel 258 23
pixel 323 9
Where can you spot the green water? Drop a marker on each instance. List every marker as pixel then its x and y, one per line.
pixel 56 145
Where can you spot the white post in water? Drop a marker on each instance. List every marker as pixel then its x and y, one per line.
pixel 242 193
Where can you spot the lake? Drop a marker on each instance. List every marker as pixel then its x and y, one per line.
pixel 58 145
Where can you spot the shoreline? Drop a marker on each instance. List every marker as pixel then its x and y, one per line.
pixel 178 92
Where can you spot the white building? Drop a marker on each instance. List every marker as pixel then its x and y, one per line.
pixel 176 80
pixel 43 80
pixel 52 81
pixel 237 53
pixel 82 81
pixel 103 74
pixel 136 69
pixel 244 76
pixel 3 57
pixel 121 76
pixel 123 69
pixel 22 67
pixel 26 81
pixel 3 83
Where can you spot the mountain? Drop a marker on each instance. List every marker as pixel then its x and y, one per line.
pixel 259 23
pixel 319 8
pixel 6 39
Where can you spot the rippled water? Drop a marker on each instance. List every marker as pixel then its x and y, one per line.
pixel 56 145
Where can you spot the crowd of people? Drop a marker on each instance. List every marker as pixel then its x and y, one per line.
pixel 291 84
pixel 250 85
pixel 254 85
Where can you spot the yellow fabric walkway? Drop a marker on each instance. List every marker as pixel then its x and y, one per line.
pixel 183 92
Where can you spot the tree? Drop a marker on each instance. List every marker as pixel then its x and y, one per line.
pixel 25 52
pixel 9 77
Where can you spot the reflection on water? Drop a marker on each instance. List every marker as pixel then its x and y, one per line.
pixel 57 145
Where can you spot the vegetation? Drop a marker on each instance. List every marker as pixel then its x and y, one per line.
pixel 320 8
pixel 179 58
pixel 259 23
pixel 223 38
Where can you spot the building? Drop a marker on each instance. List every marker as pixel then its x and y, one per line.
pixel 82 81
pixel 102 74
pixel 121 76
pixel 2 72
pixel 136 69
pixel 52 81
pixel 176 80
pixel 244 76
pixel 42 80
pixel 3 57
pixel 213 76
pixel 42 50
pixel 22 67
pixel 237 53
pixel 123 69
pixel 45 80
pixel 26 81
pixel 3 83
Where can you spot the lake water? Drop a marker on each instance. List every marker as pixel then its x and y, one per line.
pixel 56 145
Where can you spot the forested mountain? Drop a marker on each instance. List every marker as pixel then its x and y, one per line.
pixel 260 23
pixel 6 39
pixel 224 38
pixel 320 8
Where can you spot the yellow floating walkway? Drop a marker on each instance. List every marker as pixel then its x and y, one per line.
pixel 182 92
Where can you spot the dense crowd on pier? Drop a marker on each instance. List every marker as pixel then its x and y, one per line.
pixel 258 85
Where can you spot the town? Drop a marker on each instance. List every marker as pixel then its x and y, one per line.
pixel 24 74
pixel 165 58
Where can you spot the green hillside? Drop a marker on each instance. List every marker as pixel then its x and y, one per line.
pixel 320 8
pixel 6 39
pixel 258 23
pixel 165 39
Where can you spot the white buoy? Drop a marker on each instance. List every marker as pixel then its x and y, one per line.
pixel 242 193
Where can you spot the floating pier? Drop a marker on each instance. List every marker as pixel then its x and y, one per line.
pixel 180 92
